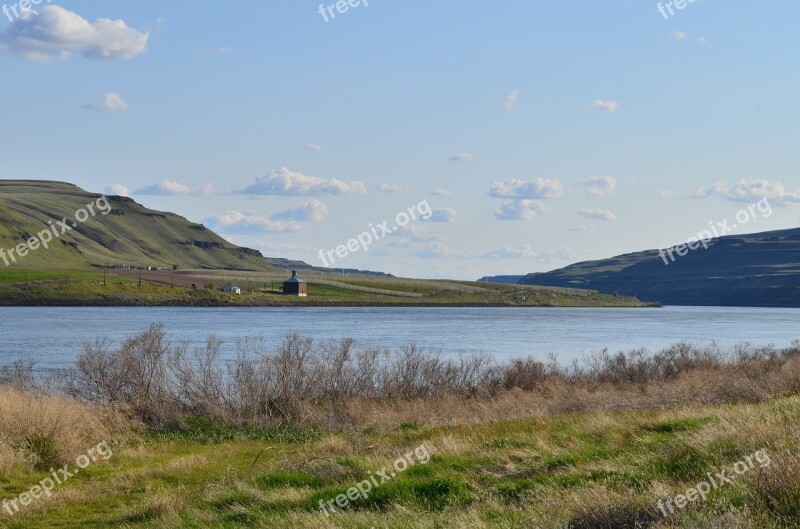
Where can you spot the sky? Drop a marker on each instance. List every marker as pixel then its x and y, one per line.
pixel 525 135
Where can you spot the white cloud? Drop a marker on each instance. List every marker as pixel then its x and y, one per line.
pixel 597 214
pixel 508 252
pixel 117 189
pixel 235 222
pixel 702 40
pixel 602 104
pixel 441 192
pixel 582 227
pixel 311 210
pixel 462 157
pixel 520 210
pixel 510 100
pixel 679 36
pixel 750 191
pixel 113 102
pixel 59 33
pixel 393 188
pixel 170 188
pixel 442 215
pixel 599 186
pixel 536 188
pixel 316 147
pixel 288 183
pixel 666 194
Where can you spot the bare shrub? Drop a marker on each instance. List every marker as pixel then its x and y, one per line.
pixel 134 375
pixel 19 375
pixel 301 381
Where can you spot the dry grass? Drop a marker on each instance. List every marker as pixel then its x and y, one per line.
pixel 40 431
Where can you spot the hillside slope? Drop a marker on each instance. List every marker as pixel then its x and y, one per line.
pixel 761 269
pixel 129 234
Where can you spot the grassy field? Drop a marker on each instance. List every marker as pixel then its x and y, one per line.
pixel 581 470
pixel 70 287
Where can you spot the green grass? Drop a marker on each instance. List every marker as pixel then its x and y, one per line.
pixel 522 473
pixel 46 287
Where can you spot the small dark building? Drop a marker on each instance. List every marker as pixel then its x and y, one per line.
pixel 295 286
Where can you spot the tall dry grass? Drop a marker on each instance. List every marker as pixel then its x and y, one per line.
pixel 43 431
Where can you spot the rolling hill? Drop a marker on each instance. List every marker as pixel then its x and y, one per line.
pixel 761 269
pixel 129 234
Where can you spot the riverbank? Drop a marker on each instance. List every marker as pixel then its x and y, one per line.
pixel 32 288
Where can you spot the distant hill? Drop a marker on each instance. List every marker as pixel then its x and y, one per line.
pixel 502 280
pixel 761 269
pixel 129 235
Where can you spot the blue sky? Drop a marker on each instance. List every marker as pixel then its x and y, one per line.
pixel 542 133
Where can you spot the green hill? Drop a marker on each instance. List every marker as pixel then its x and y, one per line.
pixel 128 234
pixel 761 269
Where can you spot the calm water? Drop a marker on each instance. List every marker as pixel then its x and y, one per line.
pixel 53 336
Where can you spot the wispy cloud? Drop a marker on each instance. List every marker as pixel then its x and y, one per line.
pixel 598 186
pixel 527 252
pixel 537 188
pixel 222 50
pixel 316 147
pixel 442 215
pixel 462 157
pixel 283 182
pixel 597 214
pixel 235 222
pixel 395 189
pixel 602 104
pixel 305 211
pixel 170 188
pixel 56 33
pixel 520 210
pixel 438 250
pixel 750 191
pixel 441 192
pixel 113 102
pixel 117 189
pixel 510 100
